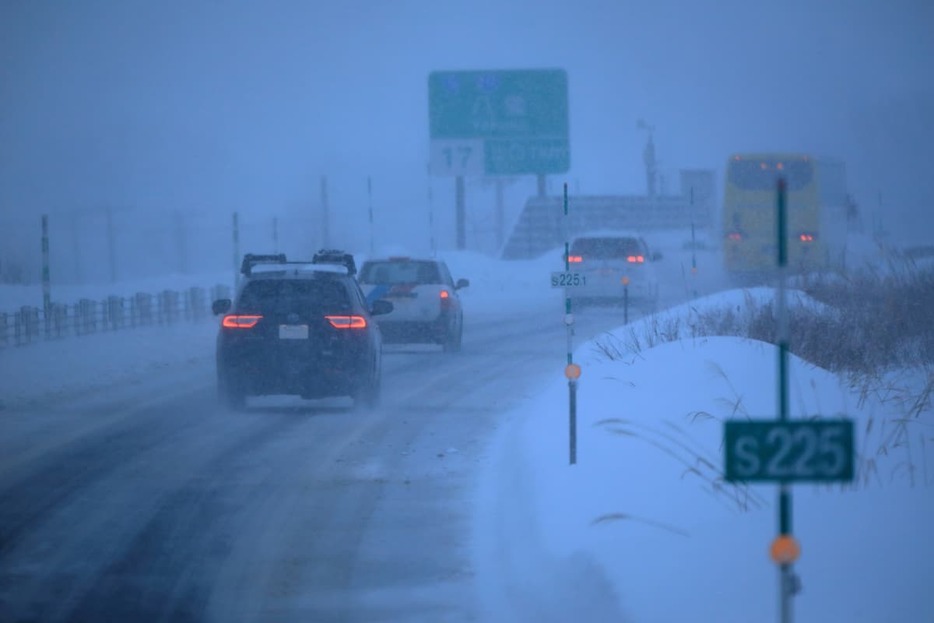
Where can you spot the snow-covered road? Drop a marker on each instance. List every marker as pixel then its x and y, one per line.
pixel 132 496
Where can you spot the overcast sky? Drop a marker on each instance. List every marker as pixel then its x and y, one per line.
pixel 215 105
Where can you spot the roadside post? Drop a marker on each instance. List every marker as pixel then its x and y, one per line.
pixel 275 235
pixel 369 194
pixel 785 450
pixel 693 247
pixel 572 371
pixel 46 279
pixel 625 281
pixel 787 579
pixel 236 249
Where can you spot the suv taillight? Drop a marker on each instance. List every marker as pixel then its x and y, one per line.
pixel 635 259
pixel 236 321
pixel 347 322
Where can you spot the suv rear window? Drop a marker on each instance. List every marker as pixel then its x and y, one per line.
pixel 606 248
pixel 282 296
pixel 399 272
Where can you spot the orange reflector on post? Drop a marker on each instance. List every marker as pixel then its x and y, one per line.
pixel 785 549
pixel 624 281
pixel 572 371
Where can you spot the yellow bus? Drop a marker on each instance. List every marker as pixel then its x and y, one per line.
pixel 816 203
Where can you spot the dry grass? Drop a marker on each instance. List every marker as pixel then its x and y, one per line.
pixel 875 330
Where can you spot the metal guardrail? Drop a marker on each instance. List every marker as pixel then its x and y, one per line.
pixel 30 324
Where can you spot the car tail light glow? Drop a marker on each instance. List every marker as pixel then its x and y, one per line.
pixel 347 322
pixel 734 236
pixel 234 321
pixel 575 259
pixel 806 237
pixel 635 259
pixel 447 302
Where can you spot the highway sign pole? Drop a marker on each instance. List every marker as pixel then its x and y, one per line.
pixel 431 214
pixel 787 580
pixel 783 450
pixel 460 213
pixel 572 371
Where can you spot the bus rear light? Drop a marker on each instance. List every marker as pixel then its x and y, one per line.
pixel 635 259
pixel 347 322
pixel 233 321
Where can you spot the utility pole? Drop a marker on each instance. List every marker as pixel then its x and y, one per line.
pixel 369 192
pixel 325 214
pixel 111 245
pixel 500 215
pixel 236 249
pixel 460 213
pixel 76 247
pixel 46 279
pixel 648 156
pixel 181 242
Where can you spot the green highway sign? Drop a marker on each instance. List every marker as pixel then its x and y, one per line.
pixel 789 450
pixel 498 122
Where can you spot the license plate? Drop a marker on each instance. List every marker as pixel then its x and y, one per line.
pixel 293 331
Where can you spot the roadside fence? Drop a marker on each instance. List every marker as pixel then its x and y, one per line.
pixel 29 324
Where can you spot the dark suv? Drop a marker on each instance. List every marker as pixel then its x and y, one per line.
pixel 299 328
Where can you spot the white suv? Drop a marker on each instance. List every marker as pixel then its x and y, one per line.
pixel 615 265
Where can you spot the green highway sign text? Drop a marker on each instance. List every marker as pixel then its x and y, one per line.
pixel 498 122
pixel 789 451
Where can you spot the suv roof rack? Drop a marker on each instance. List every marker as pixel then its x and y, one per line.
pixel 252 259
pixel 332 257
pixel 336 256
